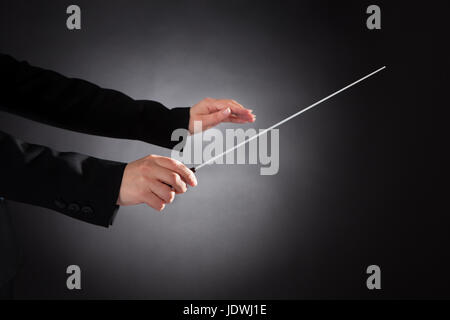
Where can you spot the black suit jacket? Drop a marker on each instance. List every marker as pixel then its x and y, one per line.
pixel 76 185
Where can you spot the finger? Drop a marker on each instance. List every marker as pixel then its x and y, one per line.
pixel 244 115
pixel 236 108
pixel 240 106
pixel 215 118
pixel 154 201
pixel 235 120
pixel 185 173
pixel 163 191
pixel 171 178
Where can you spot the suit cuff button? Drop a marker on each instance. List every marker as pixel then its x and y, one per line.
pixel 59 204
pixel 87 210
pixel 73 208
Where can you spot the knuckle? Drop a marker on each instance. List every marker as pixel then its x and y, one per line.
pixel 174 177
pixel 157 160
pixel 181 167
pixel 174 162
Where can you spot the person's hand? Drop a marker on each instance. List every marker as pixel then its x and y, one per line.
pixel 211 112
pixel 154 180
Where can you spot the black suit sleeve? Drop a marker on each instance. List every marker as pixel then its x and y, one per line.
pixel 79 186
pixel 78 105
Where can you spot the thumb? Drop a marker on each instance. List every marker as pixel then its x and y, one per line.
pixel 215 118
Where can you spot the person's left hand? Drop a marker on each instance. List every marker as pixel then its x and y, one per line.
pixel 211 112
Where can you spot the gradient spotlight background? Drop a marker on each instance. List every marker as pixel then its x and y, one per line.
pixel 344 195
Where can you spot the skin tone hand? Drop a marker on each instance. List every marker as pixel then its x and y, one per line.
pixel 154 180
pixel 214 111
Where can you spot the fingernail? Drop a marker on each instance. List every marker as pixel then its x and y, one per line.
pixel 194 179
pixel 226 111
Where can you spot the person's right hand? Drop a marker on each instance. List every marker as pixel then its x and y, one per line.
pixel 154 180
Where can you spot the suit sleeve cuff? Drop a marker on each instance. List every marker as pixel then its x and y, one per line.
pixel 104 191
pixel 113 181
pixel 179 120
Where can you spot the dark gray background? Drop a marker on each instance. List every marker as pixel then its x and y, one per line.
pixel 349 192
